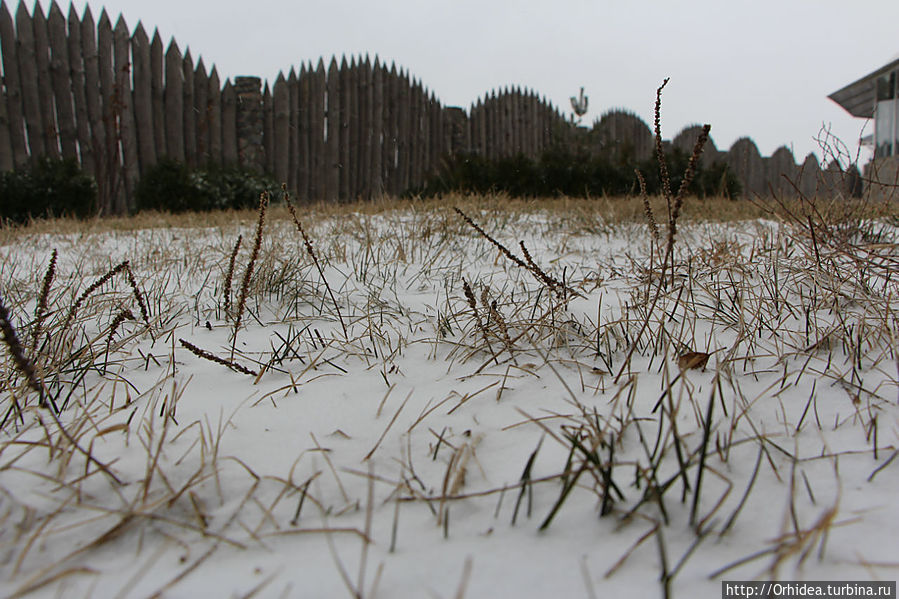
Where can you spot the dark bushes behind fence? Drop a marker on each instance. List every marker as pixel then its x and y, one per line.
pixel 47 188
pixel 174 187
pixel 560 172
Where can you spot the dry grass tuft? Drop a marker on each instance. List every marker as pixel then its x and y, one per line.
pixel 309 250
pixel 551 283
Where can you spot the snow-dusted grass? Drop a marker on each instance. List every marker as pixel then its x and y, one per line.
pixel 445 422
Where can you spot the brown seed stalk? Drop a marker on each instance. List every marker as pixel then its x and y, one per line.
pixel 660 152
pixel 40 312
pixel 202 353
pixel 553 284
pixel 121 317
pixel 647 209
pixel 486 236
pixel 673 214
pixel 469 296
pixel 23 364
pixel 687 180
pixel 229 276
pixel 500 323
pixel 138 296
pixel 254 255
pixel 92 288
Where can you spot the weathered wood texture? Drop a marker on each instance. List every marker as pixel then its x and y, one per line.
pixel 346 129
pixel 143 98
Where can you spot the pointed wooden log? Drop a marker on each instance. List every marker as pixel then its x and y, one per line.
pixel 157 96
pixel 229 125
pixel 127 127
pixel 12 98
pixel 143 99
pixel 94 106
pixel 377 132
pixel 189 122
pixel 44 84
pixel 34 124
pixel 79 92
pixel 317 158
pixel 303 114
pixel 108 150
pixel 174 102
pixel 201 110
pixel 332 142
pixel 61 81
pixel 293 131
pixel 268 131
pixel 215 117
pixel 281 141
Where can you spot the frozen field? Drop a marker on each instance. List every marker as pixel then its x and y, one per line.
pixel 416 414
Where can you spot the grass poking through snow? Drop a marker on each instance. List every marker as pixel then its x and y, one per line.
pixel 410 407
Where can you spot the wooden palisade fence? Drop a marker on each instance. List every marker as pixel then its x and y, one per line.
pixel 117 102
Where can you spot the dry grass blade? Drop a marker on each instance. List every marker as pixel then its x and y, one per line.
pixel 31 588
pixel 703 451
pixel 628 553
pixel 463 581
pixel 308 244
pixel 508 254
pixel 389 424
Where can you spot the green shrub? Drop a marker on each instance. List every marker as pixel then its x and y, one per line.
pixel 167 186
pixel 560 171
pixel 235 187
pixel 48 187
pixel 173 187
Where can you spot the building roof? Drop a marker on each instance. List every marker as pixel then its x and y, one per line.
pixel 858 98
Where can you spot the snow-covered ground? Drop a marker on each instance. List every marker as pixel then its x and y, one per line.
pixel 394 440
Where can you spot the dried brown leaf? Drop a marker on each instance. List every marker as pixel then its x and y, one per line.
pixel 693 360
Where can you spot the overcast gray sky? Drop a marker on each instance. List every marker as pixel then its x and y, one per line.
pixel 757 68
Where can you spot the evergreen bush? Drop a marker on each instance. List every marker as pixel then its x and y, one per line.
pixel 173 187
pixel 561 172
pixel 48 187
